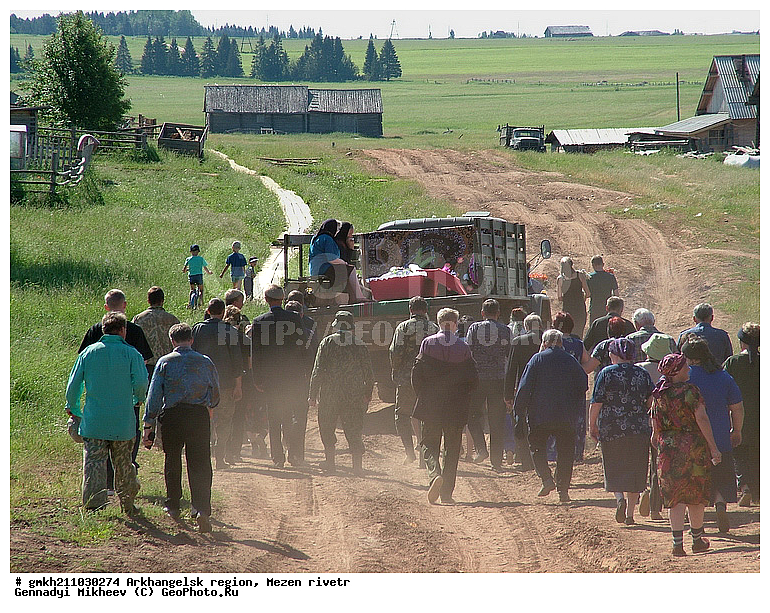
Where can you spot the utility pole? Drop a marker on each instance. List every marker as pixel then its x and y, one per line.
pixel 677 97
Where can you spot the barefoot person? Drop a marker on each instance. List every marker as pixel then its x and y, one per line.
pixel 686 449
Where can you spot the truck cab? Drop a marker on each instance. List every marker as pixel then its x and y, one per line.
pixel 523 138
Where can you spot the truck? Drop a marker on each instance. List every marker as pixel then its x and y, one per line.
pixel 457 262
pixel 523 138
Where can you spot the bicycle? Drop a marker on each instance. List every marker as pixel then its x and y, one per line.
pixel 195 298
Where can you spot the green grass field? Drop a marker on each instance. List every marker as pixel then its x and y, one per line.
pixel 523 81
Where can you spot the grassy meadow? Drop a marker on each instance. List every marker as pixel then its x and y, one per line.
pixel 131 221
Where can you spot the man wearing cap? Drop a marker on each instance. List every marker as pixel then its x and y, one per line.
pixel 115 378
pixel 219 341
pixel 404 348
pixel 656 347
pixel 341 387
pixel 277 350
pixel 718 340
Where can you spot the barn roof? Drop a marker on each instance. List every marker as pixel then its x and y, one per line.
pixel 695 124
pixel 738 74
pixel 345 101
pixel 568 30
pixel 289 99
pixel 594 136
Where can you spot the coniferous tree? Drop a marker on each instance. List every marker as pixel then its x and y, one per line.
pixel 223 53
pixel 161 55
pixel 190 64
pixel 256 61
pixel 390 67
pixel 234 68
pixel 123 61
pixel 147 64
pixel 371 62
pixel 29 54
pixel 173 59
pixel 208 59
pixel 15 60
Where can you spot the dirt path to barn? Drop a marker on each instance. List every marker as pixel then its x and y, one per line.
pixel 300 520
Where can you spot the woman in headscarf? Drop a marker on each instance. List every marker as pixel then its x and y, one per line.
pixel 724 407
pixel 744 368
pixel 572 290
pixel 681 432
pixel 346 243
pixel 618 418
pixel 324 252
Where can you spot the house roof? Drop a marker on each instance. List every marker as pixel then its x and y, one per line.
pixel 695 124
pixel 568 30
pixel 594 136
pixel 289 99
pixel 754 97
pixel 737 75
pixel 644 33
pixel 345 101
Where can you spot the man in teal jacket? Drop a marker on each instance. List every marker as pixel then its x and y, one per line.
pixel 115 379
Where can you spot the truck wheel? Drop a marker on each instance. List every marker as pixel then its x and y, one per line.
pixel 386 390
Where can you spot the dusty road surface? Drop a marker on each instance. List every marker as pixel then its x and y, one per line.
pixel 301 520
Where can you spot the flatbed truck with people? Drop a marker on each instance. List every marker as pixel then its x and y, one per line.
pixel 456 262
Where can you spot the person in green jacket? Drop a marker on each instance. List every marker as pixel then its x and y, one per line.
pixel 115 379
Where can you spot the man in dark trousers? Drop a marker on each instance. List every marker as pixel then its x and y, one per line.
pixel 236 298
pixel 278 362
pixel 444 377
pixel 523 347
pixel 602 284
pixel 403 350
pixel 341 387
pixel 115 300
pixel 220 341
pixel 185 386
pixel 718 340
pixel 551 393
pixel 490 343
pixel 597 332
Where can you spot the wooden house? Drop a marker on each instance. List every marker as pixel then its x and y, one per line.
pixel 25 116
pixel 292 109
pixel 725 115
pixel 567 32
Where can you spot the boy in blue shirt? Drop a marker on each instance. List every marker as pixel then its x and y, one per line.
pixel 194 267
pixel 237 261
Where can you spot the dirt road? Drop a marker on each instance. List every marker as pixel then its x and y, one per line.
pixel 299 520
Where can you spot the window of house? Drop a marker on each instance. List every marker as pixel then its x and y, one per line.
pixel 716 137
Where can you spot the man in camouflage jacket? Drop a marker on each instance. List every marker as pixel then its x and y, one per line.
pixel 403 350
pixel 341 387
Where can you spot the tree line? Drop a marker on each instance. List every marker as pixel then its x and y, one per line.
pixel 154 23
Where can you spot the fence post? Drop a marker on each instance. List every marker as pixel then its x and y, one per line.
pixel 54 168
pixel 73 144
pixel 144 140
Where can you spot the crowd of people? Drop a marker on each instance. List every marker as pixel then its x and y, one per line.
pixel 677 420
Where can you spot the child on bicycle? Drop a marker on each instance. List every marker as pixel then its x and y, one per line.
pixel 194 267
pixel 237 261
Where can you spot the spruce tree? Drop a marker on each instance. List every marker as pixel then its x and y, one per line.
pixel 161 55
pixel 123 62
pixel 390 67
pixel 147 65
pixel 173 59
pixel 190 64
pixel 208 60
pixel 29 54
pixel 15 60
pixel 234 68
pixel 256 61
pixel 223 53
pixel 371 62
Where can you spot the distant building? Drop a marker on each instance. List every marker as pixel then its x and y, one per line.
pixel 645 33
pixel 588 140
pixel 291 109
pixel 725 115
pixel 567 31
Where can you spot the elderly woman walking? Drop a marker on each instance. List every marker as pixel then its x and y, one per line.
pixel 724 407
pixel 572 290
pixel 681 432
pixel 618 419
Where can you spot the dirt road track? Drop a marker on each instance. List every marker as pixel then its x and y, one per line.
pixel 300 520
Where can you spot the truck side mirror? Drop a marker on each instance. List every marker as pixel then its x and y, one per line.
pixel 545 249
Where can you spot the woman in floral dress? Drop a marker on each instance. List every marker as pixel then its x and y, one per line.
pixel 619 419
pixel 681 431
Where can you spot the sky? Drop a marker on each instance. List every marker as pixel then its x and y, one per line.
pixel 344 18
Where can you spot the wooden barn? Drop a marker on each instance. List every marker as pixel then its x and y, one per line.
pixel 25 116
pixel 588 140
pixel 567 32
pixel 725 115
pixel 292 109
